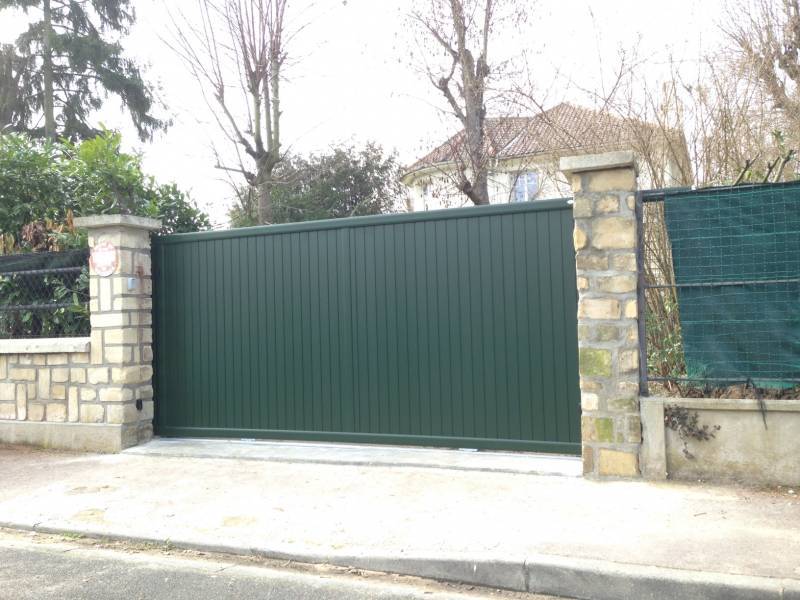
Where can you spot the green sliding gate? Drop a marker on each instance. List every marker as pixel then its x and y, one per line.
pixel 448 328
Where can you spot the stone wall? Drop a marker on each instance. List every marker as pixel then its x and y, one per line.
pixel 605 238
pixel 90 393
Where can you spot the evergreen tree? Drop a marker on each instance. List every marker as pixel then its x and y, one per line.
pixel 72 59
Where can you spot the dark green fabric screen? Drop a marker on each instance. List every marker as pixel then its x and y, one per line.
pixel 726 237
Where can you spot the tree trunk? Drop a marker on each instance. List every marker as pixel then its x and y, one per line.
pixel 478 191
pixel 47 74
pixel 264 184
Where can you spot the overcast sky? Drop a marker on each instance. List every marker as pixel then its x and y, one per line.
pixel 355 80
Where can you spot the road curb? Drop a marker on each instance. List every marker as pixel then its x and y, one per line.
pixel 585 579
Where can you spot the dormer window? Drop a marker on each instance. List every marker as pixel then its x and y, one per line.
pixel 526 186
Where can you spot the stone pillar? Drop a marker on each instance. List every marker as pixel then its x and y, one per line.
pixel 605 242
pixel 120 363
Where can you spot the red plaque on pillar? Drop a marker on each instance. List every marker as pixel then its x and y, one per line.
pixel 104 259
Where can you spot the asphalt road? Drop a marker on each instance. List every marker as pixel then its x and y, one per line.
pixel 43 567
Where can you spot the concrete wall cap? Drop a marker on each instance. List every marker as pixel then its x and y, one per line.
pixel 597 162
pixel 44 345
pixel 744 404
pixel 130 221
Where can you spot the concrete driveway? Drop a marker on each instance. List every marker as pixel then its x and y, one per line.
pixel 548 533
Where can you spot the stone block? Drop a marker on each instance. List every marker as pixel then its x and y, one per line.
pixel 57 359
pixel 59 375
pixel 589 401
pixel 595 362
pixel 122 413
pixel 123 335
pixel 617 284
pixel 43 385
pixel 23 374
pixel 144 392
pixel 35 411
pixel 582 207
pixel 579 238
pixel 148 410
pixel 142 263
pixel 633 430
pixel 147 353
pixel 116 394
pixel 624 262
pixel 135 374
pixel 606 333
pixel 58 392
pixel 39 360
pixel 587 455
pixel 597 429
pixel 611 180
pixel 618 463
pixel 56 413
pixel 599 308
pixel 111 319
pixel 88 394
pixel 631 202
pixel 591 262
pixel 607 204
pixel 96 347
pixel 118 354
pixel 97 375
pixel 590 385
pixel 119 285
pixel 72 404
pixel 631 310
pixel 92 413
pixel 7 392
pixel 583 283
pixel 22 401
pixel 79 358
pixel 77 375
pixel 3 367
pixel 104 294
pixel 628 361
pixel 627 388
pixel 624 404
pixel 8 411
pixel 614 233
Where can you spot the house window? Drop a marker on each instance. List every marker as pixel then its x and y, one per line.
pixel 526 186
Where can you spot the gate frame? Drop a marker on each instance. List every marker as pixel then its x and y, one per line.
pixel 571 448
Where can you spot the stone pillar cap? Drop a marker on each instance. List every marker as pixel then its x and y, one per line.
pixel 129 221
pixel 597 162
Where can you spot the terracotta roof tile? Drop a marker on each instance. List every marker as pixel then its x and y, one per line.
pixel 562 127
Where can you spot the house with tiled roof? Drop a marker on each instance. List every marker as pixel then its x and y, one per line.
pixel 523 153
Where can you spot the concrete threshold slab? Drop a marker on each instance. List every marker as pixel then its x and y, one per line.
pixel 363 455
pixel 579 578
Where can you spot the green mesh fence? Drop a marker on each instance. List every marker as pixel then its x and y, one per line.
pixel 736 255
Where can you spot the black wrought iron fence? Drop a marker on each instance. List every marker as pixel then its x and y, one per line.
pixel 44 294
pixel 720 289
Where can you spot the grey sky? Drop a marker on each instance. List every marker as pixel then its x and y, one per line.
pixel 355 82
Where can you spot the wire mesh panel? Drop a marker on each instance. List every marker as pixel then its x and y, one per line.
pixel 44 294
pixel 734 257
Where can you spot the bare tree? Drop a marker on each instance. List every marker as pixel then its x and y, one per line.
pixel 767 35
pixel 462 31
pixel 248 38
